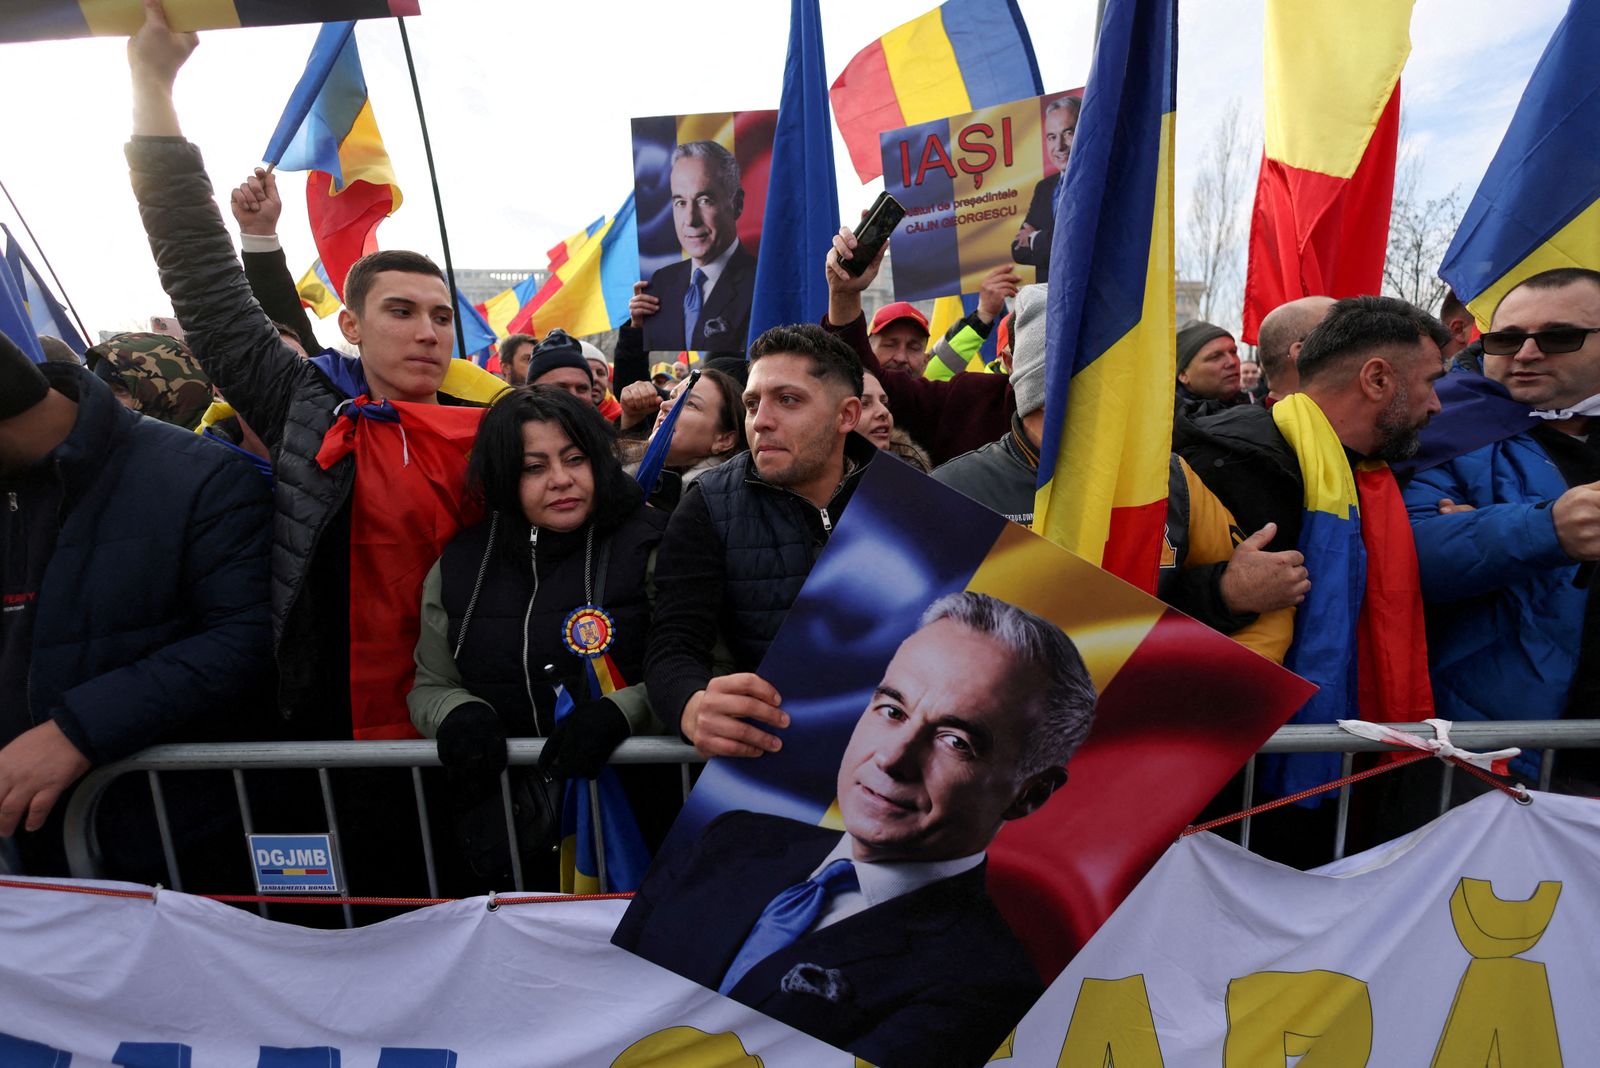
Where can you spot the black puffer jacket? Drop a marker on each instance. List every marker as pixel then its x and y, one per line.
pixel 1243 458
pixel 735 555
pixel 287 400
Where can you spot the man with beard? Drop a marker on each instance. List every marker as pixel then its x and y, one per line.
pixel 1316 464
pixel 744 537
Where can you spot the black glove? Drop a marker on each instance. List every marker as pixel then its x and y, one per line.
pixel 472 742
pixel 582 742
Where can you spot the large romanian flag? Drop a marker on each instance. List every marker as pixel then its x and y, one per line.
pixel 1110 331
pixel 42 20
pixel 1538 206
pixel 961 56
pixel 1321 220
pixel 328 129
pixel 591 280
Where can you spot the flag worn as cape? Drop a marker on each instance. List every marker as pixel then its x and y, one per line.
pixel 1359 634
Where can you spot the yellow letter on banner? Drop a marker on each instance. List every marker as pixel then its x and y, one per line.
pixel 1324 1018
pixel 1502 1016
pixel 1111 1026
pixel 687 1047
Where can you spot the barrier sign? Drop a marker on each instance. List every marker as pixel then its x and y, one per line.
pixel 295 864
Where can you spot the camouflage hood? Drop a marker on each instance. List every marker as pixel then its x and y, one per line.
pixel 160 374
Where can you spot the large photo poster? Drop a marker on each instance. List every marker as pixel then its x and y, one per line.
pixel 979 191
pixel 700 189
pixel 990 741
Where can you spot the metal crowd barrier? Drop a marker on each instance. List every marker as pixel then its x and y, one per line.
pixel 84 855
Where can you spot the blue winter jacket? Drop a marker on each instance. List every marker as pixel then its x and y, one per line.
pixel 1505 619
pixel 153 612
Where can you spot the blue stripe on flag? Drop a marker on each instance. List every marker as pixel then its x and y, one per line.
pixel 988 37
pixel 323 106
pixel 1546 171
pixel 619 262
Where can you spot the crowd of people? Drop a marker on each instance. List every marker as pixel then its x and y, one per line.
pixel 249 535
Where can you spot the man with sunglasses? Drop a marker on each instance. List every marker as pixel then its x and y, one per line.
pixel 1507 532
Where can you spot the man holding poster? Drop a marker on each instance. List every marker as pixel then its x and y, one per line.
pixel 703 300
pixel 883 940
pixel 1038 230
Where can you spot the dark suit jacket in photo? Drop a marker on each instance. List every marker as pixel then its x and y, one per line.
pixel 932 977
pixel 727 308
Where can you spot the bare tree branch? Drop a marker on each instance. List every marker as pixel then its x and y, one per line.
pixel 1419 233
pixel 1212 244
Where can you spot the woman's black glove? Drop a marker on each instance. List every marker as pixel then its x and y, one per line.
pixel 582 742
pixel 472 742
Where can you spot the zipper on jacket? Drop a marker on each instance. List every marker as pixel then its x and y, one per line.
pixel 527 616
pixel 827 524
pixel 11 499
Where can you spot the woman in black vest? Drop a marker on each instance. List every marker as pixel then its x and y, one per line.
pixel 558 569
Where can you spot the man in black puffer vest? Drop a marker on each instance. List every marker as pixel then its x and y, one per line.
pixel 741 543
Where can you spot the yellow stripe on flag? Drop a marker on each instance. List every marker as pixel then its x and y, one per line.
pixel 466 381
pixel 500 309
pixel 923 68
pixel 1330 70
pixel 717 126
pixel 122 18
pixel 1324 467
pixel 579 306
pixel 1106 628
pixel 1576 244
pixel 574 881
pixel 362 156
pixel 311 289
pixel 1118 438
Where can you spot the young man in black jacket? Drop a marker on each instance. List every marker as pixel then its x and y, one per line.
pixel 742 541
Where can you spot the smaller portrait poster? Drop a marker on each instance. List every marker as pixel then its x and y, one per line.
pixel 700 187
pixel 990 741
pixel 979 191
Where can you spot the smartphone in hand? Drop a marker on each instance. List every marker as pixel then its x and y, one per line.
pixel 884 215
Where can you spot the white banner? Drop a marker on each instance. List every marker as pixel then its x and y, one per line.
pixel 1469 943
pixel 1474 935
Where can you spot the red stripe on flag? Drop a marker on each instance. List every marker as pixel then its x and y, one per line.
pixel 523 320
pixel 558 256
pixel 345 225
pixel 1133 544
pixel 1315 235
pixel 864 105
pixel 752 147
pixel 1142 744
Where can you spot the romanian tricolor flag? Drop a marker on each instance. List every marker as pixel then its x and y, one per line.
pixel 1321 220
pixel 316 291
pixel 1110 348
pixel 1181 707
pixel 44 20
pixel 961 56
pixel 328 129
pixel 503 307
pixel 591 280
pixel 1359 634
pixel 585 800
pixel 1538 207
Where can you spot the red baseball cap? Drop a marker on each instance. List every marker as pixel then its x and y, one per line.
pixel 1003 333
pixel 890 313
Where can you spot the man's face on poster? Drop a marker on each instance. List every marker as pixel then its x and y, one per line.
pixel 706 215
pixel 934 765
pixel 1059 127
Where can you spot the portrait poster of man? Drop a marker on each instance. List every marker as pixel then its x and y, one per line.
pixel 979 191
pixel 700 188
pixel 932 843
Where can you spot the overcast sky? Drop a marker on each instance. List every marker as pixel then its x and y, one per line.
pixel 528 106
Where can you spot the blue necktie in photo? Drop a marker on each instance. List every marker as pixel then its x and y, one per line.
pixel 693 300
pixel 787 917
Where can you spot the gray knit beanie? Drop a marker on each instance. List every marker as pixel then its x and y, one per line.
pixel 1027 348
pixel 1194 337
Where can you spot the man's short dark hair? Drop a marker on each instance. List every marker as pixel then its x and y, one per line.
pixel 830 356
pixel 509 346
pixel 285 328
pixel 1557 277
pixel 1451 307
pixel 358 283
pixel 1357 325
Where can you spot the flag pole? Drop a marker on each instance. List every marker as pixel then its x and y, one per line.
pixel 433 177
pixel 46 259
